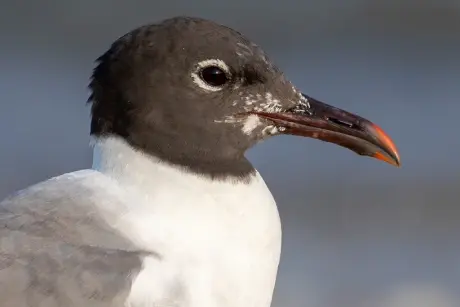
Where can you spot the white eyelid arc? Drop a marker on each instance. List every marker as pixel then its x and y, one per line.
pixel 210 62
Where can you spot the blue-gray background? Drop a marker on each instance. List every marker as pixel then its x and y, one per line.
pixel 357 233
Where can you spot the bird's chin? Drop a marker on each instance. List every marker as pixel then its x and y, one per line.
pixel 321 121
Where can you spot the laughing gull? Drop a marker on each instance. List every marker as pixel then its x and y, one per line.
pixel 171 213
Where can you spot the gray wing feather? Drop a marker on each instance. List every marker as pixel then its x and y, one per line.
pixel 56 251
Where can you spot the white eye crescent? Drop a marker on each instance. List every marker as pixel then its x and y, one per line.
pixel 211 75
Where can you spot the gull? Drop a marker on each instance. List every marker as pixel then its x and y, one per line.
pixel 171 214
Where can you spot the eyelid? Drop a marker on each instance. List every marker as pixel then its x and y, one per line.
pixel 196 74
pixel 213 62
pixel 214 76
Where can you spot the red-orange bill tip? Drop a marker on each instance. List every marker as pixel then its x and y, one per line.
pixel 387 144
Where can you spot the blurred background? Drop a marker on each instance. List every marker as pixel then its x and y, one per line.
pixel 357 232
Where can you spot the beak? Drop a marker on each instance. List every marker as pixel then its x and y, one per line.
pixel 318 120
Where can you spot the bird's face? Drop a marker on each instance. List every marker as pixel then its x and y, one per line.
pixel 213 91
pixel 242 97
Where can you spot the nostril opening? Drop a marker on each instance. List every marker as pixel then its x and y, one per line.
pixel 342 123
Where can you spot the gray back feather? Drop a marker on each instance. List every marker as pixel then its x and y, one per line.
pixel 56 251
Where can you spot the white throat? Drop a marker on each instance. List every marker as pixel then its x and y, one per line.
pixel 220 238
pixel 115 158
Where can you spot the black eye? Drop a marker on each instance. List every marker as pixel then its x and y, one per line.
pixel 214 76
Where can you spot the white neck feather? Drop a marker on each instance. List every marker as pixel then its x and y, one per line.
pixel 220 237
pixel 117 159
